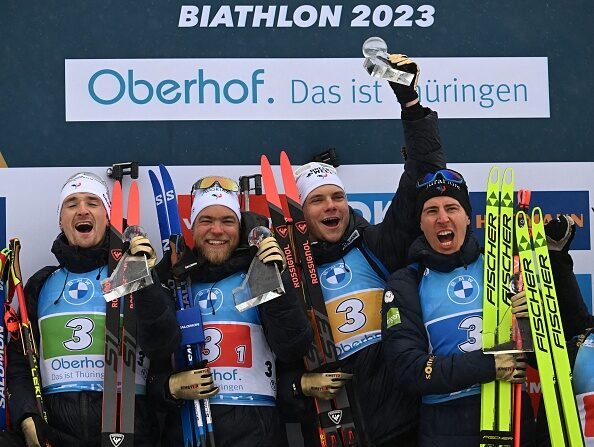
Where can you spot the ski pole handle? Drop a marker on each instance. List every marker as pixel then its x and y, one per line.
pixel 17 278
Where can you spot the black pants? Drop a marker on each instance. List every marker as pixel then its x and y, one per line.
pixel 456 423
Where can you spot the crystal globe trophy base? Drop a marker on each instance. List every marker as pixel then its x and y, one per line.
pixel 378 65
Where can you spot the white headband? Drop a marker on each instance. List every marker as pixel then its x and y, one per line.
pixel 215 195
pixel 85 182
pixel 313 175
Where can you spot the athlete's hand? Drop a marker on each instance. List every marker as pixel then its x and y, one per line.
pixel 560 232
pixel 141 245
pixel 406 94
pixel 193 384
pixel 323 385
pixel 38 433
pixel 270 251
pixel 519 305
pixel 510 368
pixel 30 433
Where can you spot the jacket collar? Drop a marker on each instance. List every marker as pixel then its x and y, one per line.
pixel 77 259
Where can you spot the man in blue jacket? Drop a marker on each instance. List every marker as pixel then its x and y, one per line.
pixel 432 333
pixel 67 312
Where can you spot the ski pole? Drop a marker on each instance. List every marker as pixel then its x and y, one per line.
pixel 523 205
pixel 245 186
pixel 29 348
pixel 4 262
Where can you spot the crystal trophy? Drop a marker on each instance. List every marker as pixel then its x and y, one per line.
pixel 378 65
pixel 132 272
pixel 521 335
pixel 262 282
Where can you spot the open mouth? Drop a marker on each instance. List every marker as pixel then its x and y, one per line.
pixel 445 237
pixel 84 227
pixel 216 243
pixel 331 222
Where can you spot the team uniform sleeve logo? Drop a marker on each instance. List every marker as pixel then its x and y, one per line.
pixel 393 317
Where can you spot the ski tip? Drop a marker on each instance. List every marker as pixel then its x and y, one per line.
pixel 508 176
pixel 164 172
pixel 537 214
pixel 521 219
pixel 494 174
pixel 264 159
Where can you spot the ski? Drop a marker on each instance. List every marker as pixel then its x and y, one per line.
pixel 336 427
pixel 547 332
pixel 196 416
pixel 128 338
pixel 117 425
pixel 496 397
pixel 109 419
pixel 504 314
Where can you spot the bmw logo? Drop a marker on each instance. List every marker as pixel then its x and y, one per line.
pixel 463 290
pixel 210 300
pixel 79 291
pixel 336 276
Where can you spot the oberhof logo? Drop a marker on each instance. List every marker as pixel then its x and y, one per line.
pixel 336 276
pixel 210 300
pixel 79 291
pixel 463 289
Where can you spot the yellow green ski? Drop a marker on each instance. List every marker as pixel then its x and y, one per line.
pixel 496 396
pixel 547 333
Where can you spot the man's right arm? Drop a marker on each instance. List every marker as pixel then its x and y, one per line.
pixel 406 346
pixel 390 239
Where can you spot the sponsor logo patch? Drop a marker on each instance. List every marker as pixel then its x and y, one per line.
pixel 388 296
pixel 393 317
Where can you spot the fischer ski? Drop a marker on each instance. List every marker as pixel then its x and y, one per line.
pixel 496 396
pixel 335 422
pixel 117 429
pixel 196 416
pixel 547 332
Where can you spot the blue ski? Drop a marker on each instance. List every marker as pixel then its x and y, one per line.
pixel 194 413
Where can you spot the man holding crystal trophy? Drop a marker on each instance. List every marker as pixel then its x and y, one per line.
pixel 383 414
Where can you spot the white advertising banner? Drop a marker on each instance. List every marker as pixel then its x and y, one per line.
pixel 297 89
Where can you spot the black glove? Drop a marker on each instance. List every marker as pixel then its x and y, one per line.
pixel 560 232
pixel 405 93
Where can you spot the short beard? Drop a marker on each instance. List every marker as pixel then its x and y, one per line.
pixel 217 257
